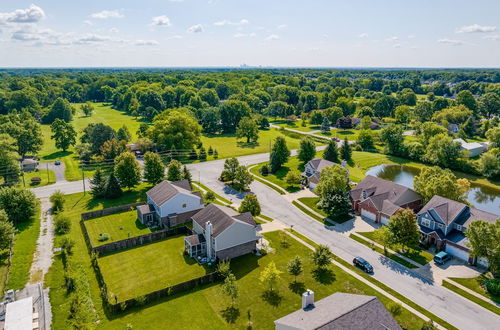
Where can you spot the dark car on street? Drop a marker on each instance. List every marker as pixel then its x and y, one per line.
pixel 363 264
pixel 57 162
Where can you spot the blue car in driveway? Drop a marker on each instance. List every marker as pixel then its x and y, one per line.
pixel 363 264
pixel 441 258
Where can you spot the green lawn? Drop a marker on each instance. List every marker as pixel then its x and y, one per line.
pixel 420 256
pixel 42 174
pixel 474 284
pixel 219 197
pixel 297 125
pixel 147 268
pixel 471 297
pixel 279 177
pixel 381 251
pixel 312 202
pixel 119 226
pixel 207 300
pixel 308 212
pixel 228 146
pixel 22 257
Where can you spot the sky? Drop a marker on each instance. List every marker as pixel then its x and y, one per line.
pixel 230 33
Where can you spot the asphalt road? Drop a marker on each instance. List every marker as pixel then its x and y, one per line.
pixel 449 306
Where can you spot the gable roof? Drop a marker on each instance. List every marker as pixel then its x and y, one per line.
pixel 221 217
pixel 319 163
pixel 166 190
pixel 387 196
pixel 342 311
pixel 471 145
pixel 448 210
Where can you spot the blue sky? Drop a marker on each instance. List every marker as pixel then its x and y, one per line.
pixel 199 33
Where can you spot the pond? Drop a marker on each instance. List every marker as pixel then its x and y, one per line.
pixel 483 198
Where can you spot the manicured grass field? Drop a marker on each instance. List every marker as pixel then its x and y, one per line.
pixel 312 202
pixel 207 301
pixel 140 270
pixel 475 285
pixel 229 146
pixel 22 257
pixel 42 174
pixel 297 125
pixel 420 256
pixel 279 177
pixel 119 226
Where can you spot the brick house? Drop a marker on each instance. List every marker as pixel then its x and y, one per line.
pixel 220 232
pixel 170 204
pixel 443 223
pixel 378 199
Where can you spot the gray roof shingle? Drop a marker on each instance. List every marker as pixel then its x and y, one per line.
pixel 342 311
pixel 165 190
pixel 221 217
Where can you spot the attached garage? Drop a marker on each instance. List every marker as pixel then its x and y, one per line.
pixel 369 215
pixel 482 262
pixel 457 253
pixel 384 220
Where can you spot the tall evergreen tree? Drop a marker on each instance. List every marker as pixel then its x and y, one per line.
pixel 97 184
pixel 307 149
pixel 331 152
pixel 154 169
pixel 186 174
pixel 346 151
pixel 279 154
pixel 174 171
pixel 112 187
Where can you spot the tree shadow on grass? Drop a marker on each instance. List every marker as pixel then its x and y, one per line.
pixel 297 287
pixel 244 144
pixel 58 154
pixel 272 297
pixel 324 275
pixel 230 314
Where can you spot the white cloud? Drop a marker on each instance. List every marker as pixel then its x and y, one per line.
pixel 161 21
pixel 32 14
pixel 272 37
pixel 452 42
pixel 114 30
pixel 494 37
pixel 363 35
pixel 88 23
pixel 228 22
pixel 107 14
pixel 282 26
pixel 397 46
pixel 146 43
pixel 411 36
pixel 393 39
pixel 195 29
pixel 244 35
pixel 476 28
pixel 91 38
pixel 175 37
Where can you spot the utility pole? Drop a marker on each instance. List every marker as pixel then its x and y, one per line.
pixel 48 176
pixel 83 176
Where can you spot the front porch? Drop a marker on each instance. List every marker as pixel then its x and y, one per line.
pixel 195 246
pixel 146 215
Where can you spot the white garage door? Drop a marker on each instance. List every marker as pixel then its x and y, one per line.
pixel 369 215
pixel 384 220
pixel 457 253
pixel 482 262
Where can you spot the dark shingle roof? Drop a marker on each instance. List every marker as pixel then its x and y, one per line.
pixel 195 239
pixel 221 217
pixel 165 190
pixel 318 163
pixel 342 311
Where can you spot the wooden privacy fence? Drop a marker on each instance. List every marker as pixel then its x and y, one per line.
pixel 109 210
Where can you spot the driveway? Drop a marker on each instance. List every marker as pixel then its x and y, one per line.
pixel 57 169
pixel 453 268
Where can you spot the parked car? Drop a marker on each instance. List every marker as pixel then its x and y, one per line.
pixel 57 162
pixel 363 264
pixel 441 258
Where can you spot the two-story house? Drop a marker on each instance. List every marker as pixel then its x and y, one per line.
pixel 377 199
pixel 312 171
pixel 443 223
pixel 220 232
pixel 170 204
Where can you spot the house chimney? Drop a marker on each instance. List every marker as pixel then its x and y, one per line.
pixel 307 299
pixel 208 238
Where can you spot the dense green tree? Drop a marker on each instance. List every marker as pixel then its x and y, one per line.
pixel 279 109
pixel 466 98
pixel 57 200
pixel 433 181
pixel 231 112
pixel 365 140
pixel 229 171
pixel 7 231
pixel 25 130
pixel 247 128
pixel 174 172
pixel 63 134
pixel 307 149
pixel 489 163
pixel 186 174
pixel 87 108
pixel 242 178
pixel 392 137
pixel 127 170
pixel 489 104
pixel 96 135
pixel 423 111
pixel 279 154
pixel 294 267
pixel 123 134
pixel 452 115
pixel 484 241
pixel 112 187
pixel 112 148
pixel 97 184
pixel 442 150
pixel 154 169
pixel 270 275
pixel 209 96
pixel 176 129
pixel 316 117
pixel 333 178
pixel 346 150
pixel 293 178
pixel 250 204
pixel 210 119
pixel 335 203
pixel 429 129
pixel 9 157
pixel 331 152
pixel 402 114
pixel 403 229
pixel 493 135
pixel 61 109
pixel 20 204
pixel 347 105
pixel 322 256
pixel 407 97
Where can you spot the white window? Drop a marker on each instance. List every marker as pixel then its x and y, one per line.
pixel 441 226
pixel 426 222
pixel 459 227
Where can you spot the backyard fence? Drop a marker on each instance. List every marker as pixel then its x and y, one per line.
pixel 110 210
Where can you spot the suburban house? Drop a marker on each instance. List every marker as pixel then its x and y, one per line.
pixel 29 165
pixel 220 232
pixel 169 204
pixel 312 171
pixel 338 311
pixel 378 199
pixel 443 223
pixel 473 148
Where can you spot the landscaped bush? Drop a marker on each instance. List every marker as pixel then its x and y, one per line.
pixel 62 224
pixel 209 196
pixel 57 200
pixel 103 237
pixel 493 286
pixel 264 170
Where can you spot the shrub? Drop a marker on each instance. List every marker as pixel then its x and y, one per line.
pixel 357 147
pixel 141 300
pixel 67 245
pixel 493 286
pixel 210 196
pixel 103 237
pixel 264 170
pixel 62 224
pixel 57 200
pixel 395 309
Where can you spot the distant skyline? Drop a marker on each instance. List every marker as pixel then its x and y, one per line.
pixel 229 33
